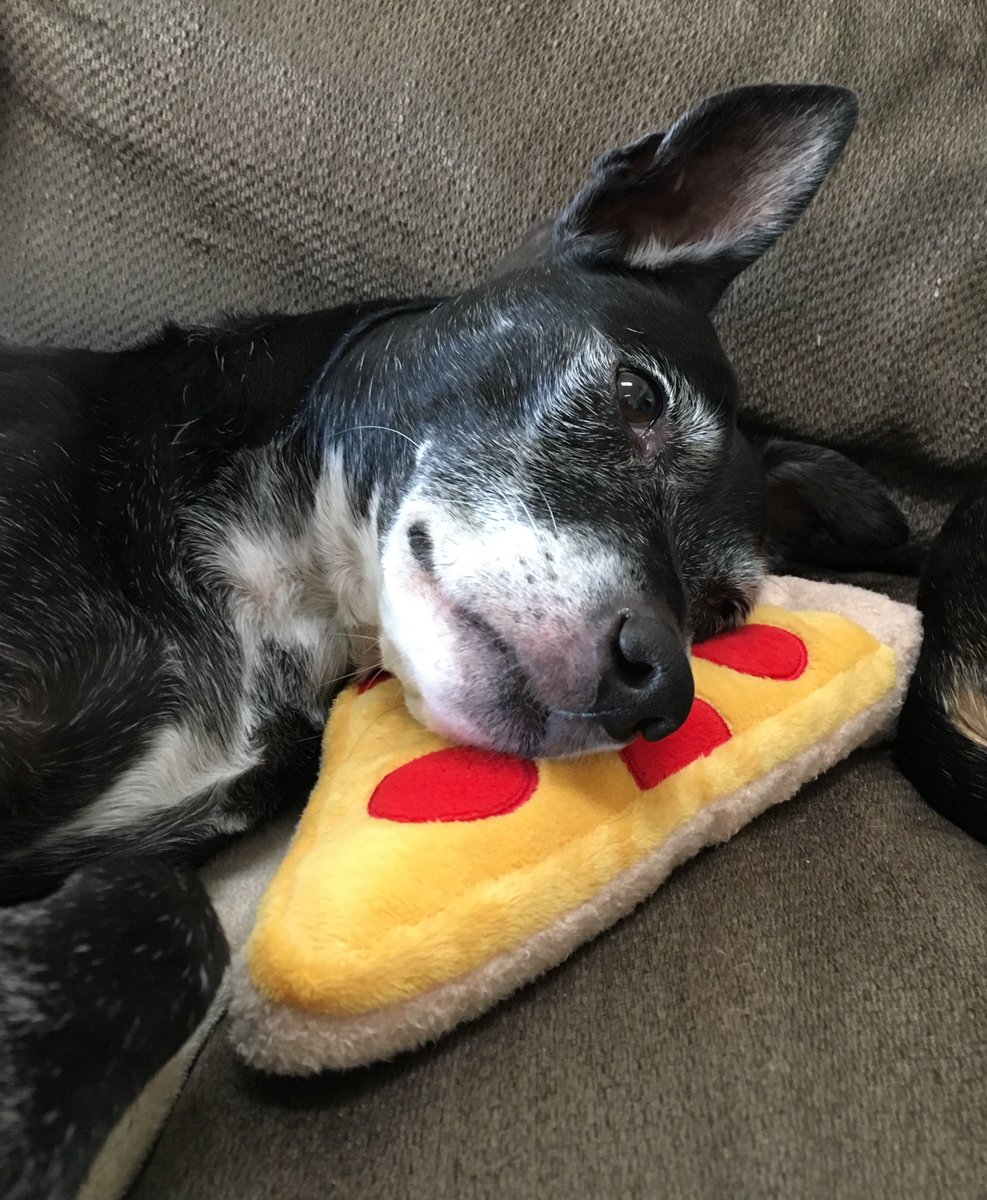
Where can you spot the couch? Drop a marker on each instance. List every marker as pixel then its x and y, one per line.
pixel 801 1012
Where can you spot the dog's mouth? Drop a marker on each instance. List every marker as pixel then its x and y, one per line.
pixel 467 681
pixel 498 708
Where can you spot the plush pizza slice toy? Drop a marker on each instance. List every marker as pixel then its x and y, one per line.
pixel 426 880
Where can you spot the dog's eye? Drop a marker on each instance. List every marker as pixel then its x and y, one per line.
pixel 640 401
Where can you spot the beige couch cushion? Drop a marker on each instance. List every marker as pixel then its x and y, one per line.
pixel 168 159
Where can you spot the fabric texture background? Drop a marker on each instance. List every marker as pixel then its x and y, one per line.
pixel 177 158
pixel 798 1013
pixel 801 1012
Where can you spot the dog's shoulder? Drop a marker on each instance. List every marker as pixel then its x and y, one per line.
pixel 239 379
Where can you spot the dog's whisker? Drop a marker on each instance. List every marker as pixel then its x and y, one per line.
pixel 379 428
pixel 527 511
pixel 355 673
pixel 548 505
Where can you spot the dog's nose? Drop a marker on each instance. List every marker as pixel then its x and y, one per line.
pixel 647 685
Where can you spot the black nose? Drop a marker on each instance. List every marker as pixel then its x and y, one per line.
pixel 647 685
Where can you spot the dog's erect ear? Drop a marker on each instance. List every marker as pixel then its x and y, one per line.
pixel 809 488
pixel 705 199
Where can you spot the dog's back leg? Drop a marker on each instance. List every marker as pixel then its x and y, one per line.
pixel 103 981
pixel 942 735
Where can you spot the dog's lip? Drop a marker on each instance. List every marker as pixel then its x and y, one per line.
pixel 589 712
pixel 652 729
pixel 506 724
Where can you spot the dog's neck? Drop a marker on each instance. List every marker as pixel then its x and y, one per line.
pixel 295 539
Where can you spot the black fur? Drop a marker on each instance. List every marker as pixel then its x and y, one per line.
pixel 109 629
pixel 102 983
pixel 934 747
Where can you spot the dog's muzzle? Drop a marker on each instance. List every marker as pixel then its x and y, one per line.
pixel 514 660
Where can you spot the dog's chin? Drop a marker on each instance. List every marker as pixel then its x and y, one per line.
pixel 503 724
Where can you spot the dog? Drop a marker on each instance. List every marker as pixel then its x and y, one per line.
pixel 526 501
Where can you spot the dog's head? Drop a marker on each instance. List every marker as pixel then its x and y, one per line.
pixel 579 504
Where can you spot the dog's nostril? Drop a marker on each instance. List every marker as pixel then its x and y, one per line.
pixel 656 728
pixel 633 652
pixel 422 549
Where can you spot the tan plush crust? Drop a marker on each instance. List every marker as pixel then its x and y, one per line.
pixel 288 1041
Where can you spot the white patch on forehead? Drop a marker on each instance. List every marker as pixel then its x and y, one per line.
pixel 502 322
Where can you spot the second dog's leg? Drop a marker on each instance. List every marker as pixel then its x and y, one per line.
pixel 942 735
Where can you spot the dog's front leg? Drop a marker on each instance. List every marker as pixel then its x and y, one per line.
pixel 103 981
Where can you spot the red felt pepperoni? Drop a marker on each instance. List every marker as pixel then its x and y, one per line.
pixel 763 650
pixel 371 681
pixel 652 762
pixel 458 784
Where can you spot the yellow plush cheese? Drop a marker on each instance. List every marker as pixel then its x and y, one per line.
pixel 372 906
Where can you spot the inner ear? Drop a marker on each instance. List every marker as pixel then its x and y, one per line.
pixel 718 188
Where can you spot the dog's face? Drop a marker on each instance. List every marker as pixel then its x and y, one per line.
pixel 581 505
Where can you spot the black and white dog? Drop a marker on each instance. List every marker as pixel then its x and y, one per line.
pixel 525 501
